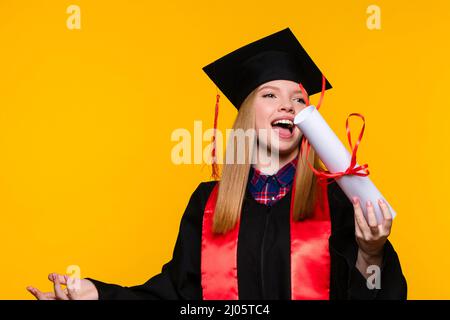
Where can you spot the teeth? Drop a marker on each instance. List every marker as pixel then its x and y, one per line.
pixel 284 121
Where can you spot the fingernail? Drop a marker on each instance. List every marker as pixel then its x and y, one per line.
pixel 380 201
pixel 369 203
pixel 355 200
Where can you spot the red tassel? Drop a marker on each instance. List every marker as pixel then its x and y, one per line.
pixel 215 167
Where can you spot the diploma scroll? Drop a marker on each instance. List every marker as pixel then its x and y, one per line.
pixel 337 159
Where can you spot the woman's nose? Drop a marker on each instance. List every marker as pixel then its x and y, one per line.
pixel 287 107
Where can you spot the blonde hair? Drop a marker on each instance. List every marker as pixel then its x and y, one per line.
pixel 233 184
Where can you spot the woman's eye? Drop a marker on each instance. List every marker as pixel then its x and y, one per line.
pixel 271 95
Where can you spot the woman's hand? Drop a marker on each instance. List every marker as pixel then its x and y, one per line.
pixel 77 289
pixel 370 235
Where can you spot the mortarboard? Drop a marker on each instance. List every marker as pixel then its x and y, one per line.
pixel 279 56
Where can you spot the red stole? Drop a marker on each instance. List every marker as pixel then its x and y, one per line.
pixel 310 256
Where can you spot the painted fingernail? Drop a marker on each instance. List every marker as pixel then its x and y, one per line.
pixel 355 200
pixel 369 203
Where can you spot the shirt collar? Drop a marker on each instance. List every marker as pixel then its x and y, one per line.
pixel 284 176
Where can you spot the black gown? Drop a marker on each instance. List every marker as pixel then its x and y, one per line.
pixel 263 256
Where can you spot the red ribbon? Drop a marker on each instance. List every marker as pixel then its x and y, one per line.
pixel 352 169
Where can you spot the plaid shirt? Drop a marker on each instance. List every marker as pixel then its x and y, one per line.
pixel 268 189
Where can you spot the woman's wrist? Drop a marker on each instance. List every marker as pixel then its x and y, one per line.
pixel 372 258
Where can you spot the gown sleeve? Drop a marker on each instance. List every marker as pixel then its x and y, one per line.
pixel 180 277
pixel 393 284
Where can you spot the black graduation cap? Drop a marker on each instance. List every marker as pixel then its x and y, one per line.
pixel 278 56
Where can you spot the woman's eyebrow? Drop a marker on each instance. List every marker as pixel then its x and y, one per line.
pixel 276 88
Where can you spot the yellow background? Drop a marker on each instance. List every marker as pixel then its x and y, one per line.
pixel 86 117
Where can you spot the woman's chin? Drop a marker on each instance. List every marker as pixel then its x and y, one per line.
pixel 286 149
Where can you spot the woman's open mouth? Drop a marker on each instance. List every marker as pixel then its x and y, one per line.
pixel 284 128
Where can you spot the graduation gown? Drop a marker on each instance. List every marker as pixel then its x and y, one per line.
pixel 263 255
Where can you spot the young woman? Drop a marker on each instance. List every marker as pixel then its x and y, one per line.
pixel 268 231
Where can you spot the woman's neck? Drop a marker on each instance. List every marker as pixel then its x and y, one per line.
pixel 271 166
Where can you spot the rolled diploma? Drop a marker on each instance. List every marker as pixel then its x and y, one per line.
pixel 337 159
